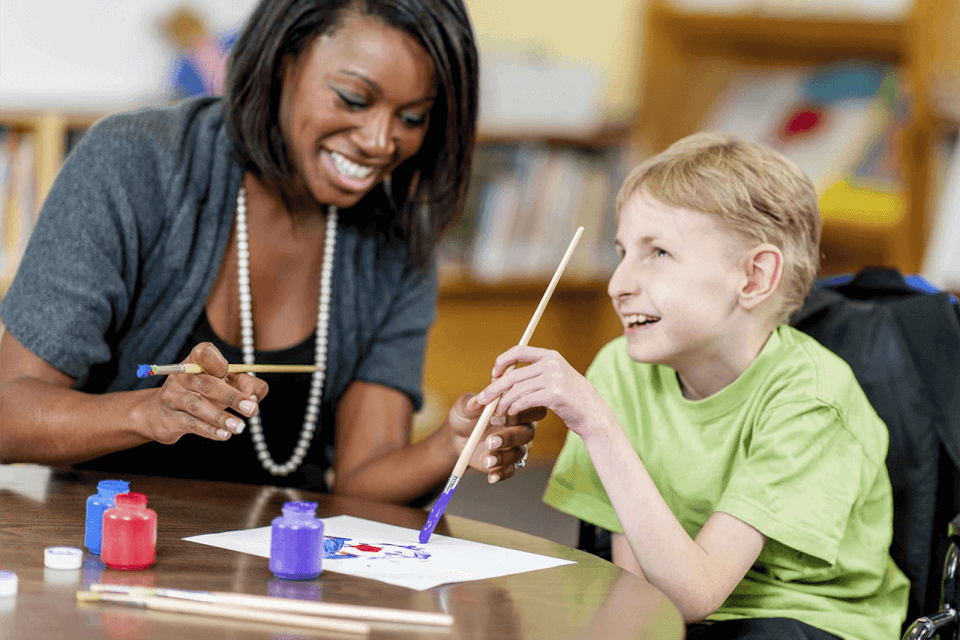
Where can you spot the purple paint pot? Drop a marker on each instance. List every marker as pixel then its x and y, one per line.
pixel 296 542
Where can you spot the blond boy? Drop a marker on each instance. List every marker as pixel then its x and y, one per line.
pixel 737 462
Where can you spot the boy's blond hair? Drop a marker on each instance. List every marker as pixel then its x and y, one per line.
pixel 761 195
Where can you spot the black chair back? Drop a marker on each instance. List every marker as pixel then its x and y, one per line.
pixel 902 341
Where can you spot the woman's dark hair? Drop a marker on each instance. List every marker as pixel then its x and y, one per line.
pixel 428 189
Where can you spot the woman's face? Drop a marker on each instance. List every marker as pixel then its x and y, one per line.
pixel 355 106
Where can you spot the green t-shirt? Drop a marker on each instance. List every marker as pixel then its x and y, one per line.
pixel 793 448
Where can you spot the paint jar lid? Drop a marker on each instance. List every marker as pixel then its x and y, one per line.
pixel 9 583
pixel 113 486
pixel 62 558
pixel 131 499
pixel 300 510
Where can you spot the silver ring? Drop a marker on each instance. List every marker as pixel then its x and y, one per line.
pixel 519 464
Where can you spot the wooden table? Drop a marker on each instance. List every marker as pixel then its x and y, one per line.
pixel 40 507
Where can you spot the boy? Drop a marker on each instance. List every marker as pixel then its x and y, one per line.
pixel 737 462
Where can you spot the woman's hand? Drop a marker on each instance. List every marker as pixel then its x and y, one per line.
pixel 547 381
pixel 505 442
pixel 197 403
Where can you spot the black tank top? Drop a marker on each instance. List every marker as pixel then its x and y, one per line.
pixel 236 460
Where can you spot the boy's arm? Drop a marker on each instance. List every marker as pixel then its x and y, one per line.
pixel 697 575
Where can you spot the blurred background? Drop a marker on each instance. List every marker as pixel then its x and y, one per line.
pixel 863 94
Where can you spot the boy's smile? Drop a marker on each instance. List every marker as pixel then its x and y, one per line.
pixel 676 291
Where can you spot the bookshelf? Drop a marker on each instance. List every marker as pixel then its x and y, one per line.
pixel 690 57
pixel 478 317
pixel 481 315
pixel 33 146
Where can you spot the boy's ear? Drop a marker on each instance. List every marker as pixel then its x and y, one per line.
pixel 763 269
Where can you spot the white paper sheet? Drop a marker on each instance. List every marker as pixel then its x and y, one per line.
pixel 394 555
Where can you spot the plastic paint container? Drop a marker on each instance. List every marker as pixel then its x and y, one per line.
pixel 96 505
pixel 129 533
pixel 296 542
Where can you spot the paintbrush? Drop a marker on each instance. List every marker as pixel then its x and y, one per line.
pixel 270 603
pixel 214 609
pixel 147 370
pixel 464 460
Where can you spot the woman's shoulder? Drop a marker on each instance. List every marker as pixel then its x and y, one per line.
pixel 156 131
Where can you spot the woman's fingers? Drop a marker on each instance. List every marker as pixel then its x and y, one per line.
pixel 510 437
pixel 504 463
pixel 209 357
pixel 248 385
pixel 199 403
pixel 533 414
pixel 221 393
pixel 182 411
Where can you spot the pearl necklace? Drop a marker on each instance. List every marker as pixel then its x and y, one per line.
pixel 320 354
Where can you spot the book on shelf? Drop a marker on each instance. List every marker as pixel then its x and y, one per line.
pixel 526 203
pixel 841 123
pixel 18 197
pixel 941 264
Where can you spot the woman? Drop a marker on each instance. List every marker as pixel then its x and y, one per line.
pixel 292 221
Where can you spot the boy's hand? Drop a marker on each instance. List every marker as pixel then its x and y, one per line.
pixel 548 381
pixel 506 441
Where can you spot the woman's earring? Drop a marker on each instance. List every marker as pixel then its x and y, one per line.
pixel 388 190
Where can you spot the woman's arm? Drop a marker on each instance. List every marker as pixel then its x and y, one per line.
pixel 44 420
pixel 374 458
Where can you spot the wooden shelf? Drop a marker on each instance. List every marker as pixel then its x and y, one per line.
pixel 51 129
pixel 691 57
pixel 604 139
pixel 456 282
pixel 756 35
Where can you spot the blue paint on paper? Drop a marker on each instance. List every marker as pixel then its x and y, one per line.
pixel 337 548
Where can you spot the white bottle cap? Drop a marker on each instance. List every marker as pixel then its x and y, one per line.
pixel 8 584
pixel 62 558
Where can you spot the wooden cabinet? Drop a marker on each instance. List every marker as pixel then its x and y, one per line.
pixel 690 57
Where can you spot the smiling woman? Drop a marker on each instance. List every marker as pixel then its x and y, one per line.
pixel 292 221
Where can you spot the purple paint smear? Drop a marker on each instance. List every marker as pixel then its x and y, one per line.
pixel 144 371
pixel 436 512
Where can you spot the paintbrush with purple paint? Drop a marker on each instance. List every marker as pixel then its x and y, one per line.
pixel 478 430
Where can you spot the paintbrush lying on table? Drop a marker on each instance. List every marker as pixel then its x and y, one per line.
pixel 228 604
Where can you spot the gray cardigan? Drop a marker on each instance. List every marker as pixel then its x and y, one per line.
pixel 129 243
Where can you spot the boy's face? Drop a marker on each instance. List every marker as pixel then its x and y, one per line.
pixel 676 287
